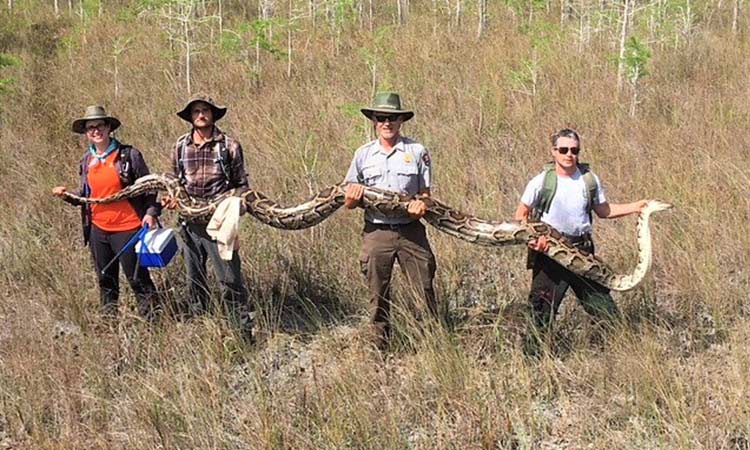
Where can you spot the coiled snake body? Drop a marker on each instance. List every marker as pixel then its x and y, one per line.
pixel 441 216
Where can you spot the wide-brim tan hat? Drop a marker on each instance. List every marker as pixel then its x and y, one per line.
pixel 218 111
pixel 387 103
pixel 94 112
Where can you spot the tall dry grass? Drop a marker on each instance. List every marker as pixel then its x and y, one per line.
pixel 674 376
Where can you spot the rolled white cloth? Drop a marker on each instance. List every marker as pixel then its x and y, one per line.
pixel 224 226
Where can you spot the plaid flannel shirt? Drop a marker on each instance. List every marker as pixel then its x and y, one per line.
pixel 203 173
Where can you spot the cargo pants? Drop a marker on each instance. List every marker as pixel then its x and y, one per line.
pixel 382 246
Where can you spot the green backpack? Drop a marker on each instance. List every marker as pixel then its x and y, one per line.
pixel 549 188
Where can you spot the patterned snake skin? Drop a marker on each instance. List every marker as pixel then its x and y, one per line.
pixel 441 216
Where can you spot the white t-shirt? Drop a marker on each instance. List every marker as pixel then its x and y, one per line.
pixel 568 211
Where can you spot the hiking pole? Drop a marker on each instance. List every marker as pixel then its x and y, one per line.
pixel 137 264
pixel 125 247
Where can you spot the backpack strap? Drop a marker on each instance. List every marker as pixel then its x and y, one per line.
pixel 549 188
pixel 125 166
pixel 592 189
pixel 224 160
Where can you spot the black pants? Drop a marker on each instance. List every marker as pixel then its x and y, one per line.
pixel 198 248
pixel 104 246
pixel 550 281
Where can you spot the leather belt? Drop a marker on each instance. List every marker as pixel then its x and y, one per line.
pixel 577 240
pixel 370 226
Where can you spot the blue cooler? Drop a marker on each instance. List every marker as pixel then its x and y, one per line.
pixel 156 248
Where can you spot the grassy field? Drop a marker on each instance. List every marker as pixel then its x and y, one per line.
pixel 675 376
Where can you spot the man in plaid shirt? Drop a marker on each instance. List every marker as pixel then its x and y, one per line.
pixel 208 163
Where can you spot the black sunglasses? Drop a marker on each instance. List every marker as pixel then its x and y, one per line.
pixel 564 150
pixel 386 117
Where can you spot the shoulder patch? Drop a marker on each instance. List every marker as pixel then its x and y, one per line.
pixel 426 158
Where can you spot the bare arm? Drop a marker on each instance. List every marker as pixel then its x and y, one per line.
pixel 522 212
pixel 522 215
pixel 608 210
pixel 353 195
pixel 418 208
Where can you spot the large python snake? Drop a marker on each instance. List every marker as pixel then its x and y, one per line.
pixel 439 215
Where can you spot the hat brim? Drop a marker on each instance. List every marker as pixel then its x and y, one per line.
pixel 369 112
pixel 79 125
pixel 218 111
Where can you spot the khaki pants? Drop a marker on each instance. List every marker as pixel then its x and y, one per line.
pixel 382 246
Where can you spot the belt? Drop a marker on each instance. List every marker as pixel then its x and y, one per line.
pixel 370 226
pixel 577 239
pixel 200 220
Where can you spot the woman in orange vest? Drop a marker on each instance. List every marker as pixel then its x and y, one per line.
pixel 108 166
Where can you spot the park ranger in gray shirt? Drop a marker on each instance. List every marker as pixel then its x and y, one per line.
pixel 395 163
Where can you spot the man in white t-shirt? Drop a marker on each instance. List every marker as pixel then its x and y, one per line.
pixel 563 196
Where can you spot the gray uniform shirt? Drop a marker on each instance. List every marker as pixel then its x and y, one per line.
pixel 405 170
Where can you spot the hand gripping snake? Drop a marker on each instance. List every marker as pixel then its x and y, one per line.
pixel 441 216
